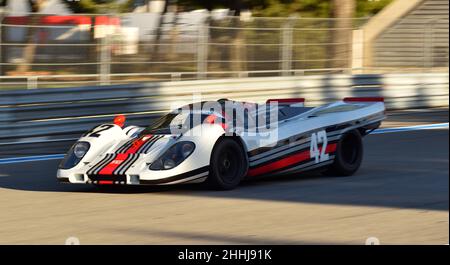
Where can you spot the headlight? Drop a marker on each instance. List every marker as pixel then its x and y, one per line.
pixel 80 149
pixel 173 156
pixel 75 154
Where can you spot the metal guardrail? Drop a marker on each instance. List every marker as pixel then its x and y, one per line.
pixel 54 113
pixel 67 80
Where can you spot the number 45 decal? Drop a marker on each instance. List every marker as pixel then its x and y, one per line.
pixel 319 155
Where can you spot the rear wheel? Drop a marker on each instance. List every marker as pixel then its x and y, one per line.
pixel 349 155
pixel 228 165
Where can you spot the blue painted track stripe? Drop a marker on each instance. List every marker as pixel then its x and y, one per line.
pixel 13 160
pixel 411 128
pixel 378 131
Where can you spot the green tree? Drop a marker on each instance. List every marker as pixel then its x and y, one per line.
pixel 98 6
pixel 284 8
pixel 3 3
pixel 366 8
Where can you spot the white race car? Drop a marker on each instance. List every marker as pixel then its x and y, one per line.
pixel 222 142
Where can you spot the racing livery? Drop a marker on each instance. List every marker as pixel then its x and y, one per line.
pixel 225 147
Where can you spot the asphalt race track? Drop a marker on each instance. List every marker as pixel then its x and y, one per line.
pixel 400 196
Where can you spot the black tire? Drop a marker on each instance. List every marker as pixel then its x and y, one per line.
pixel 228 165
pixel 349 154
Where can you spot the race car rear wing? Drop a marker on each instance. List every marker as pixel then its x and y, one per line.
pixel 288 102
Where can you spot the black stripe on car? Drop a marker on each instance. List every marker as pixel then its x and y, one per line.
pixel 125 146
pixel 145 144
pixel 288 155
pixel 128 164
pixel 330 130
pixel 290 148
pixel 176 177
pixel 96 177
pixel 100 164
pixel 283 142
pixel 148 144
pixel 122 164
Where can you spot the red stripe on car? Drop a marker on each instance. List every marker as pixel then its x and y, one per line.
pixel 285 162
pixel 138 143
pixel 109 169
pixel 105 182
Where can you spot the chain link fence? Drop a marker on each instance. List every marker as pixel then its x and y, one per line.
pixel 54 51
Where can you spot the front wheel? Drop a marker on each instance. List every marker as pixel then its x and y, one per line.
pixel 349 155
pixel 228 165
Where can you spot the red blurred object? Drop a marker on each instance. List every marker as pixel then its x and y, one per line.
pixel 287 100
pixel 120 120
pixel 211 119
pixel 107 21
pixel 105 182
pixel 65 20
pixel 364 99
pixel 77 20
pixel 50 20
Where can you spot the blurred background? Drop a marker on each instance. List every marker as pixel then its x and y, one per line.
pixel 139 57
pixel 67 66
pixel 54 43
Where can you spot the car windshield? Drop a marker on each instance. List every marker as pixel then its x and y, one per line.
pixel 171 123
